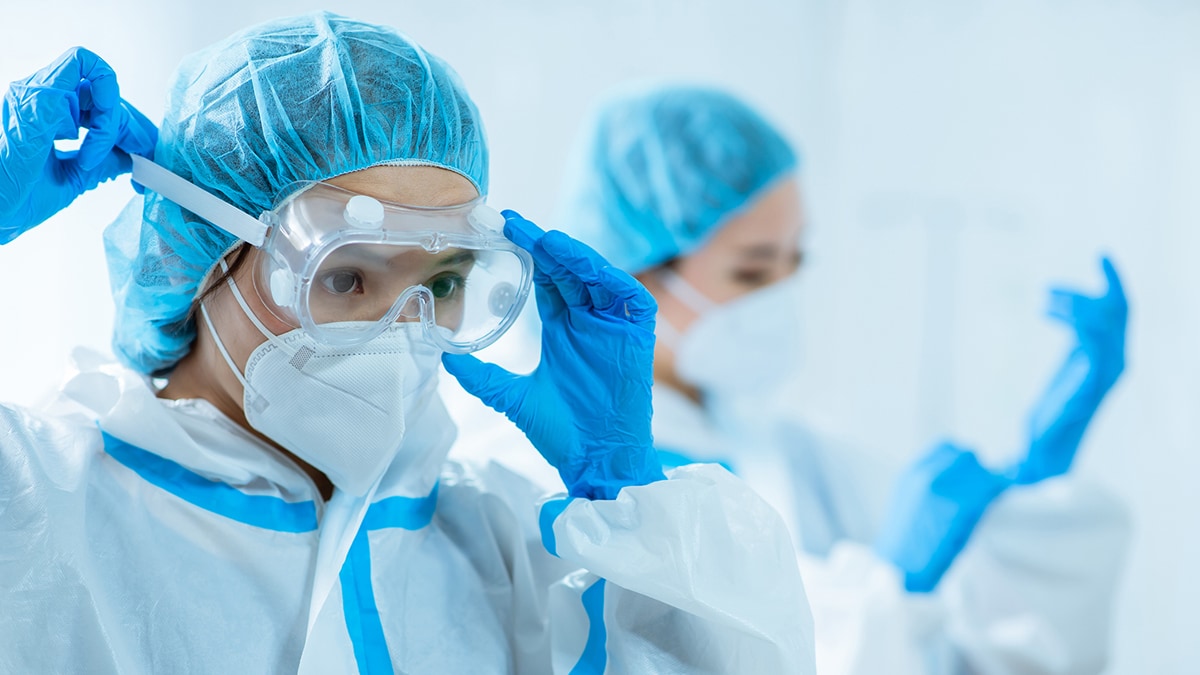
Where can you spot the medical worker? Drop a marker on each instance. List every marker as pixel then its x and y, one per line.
pixel 945 566
pixel 260 485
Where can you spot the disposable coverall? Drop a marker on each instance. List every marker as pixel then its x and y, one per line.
pixel 145 535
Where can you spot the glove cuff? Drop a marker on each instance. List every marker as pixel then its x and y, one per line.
pixel 603 476
pixel 936 508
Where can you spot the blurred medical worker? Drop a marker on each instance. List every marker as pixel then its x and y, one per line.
pixel 312 243
pixel 963 568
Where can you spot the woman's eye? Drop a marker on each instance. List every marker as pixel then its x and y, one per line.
pixel 752 277
pixel 446 286
pixel 342 282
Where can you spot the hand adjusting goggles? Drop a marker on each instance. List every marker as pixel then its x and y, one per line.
pixel 344 266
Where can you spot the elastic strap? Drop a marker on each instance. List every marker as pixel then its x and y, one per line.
pixel 687 293
pixel 221 346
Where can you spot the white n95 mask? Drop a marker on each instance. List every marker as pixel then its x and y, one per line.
pixel 742 346
pixel 340 409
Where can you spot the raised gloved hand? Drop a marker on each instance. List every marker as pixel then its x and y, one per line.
pixel 586 407
pixel 940 499
pixel 78 91
pixel 935 506
pixel 1058 421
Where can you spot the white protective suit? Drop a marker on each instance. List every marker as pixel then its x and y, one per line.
pixel 1032 593
pixel 139 535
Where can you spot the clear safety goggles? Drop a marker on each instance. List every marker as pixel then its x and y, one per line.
pixel 344 266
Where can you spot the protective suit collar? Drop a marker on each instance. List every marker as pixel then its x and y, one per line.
pixel 124 405
pixel 187 432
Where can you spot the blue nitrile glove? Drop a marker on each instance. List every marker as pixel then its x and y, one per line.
pixel 939 500
pixel 935 506
pixel 1058 421
pixel 586 407
pixel 78 91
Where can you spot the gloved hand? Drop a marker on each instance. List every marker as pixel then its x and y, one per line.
pixel 586 407
pixel 1058 421
pixel 939 500
pixel 78 91
pixel 935 507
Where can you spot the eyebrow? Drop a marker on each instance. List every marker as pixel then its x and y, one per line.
pixel 383 260
pixel 760 251
pixel 460 258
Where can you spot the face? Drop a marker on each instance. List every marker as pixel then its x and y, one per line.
pixel 351 287
pixel 754 249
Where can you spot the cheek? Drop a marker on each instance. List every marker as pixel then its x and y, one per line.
pixel 240 336
pixel 713 277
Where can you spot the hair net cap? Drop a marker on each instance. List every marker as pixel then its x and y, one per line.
pixel 660 170
pixel 297 99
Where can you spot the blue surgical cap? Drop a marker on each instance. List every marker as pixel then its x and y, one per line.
pixel 297 99
pixel 660 170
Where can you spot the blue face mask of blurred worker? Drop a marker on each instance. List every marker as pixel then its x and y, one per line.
pixel 742 346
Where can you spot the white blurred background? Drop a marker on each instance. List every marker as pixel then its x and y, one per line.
pixel 959 157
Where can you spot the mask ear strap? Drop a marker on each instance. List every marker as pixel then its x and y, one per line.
pixel 668 334
pixel 687 293
pixel 221 346
pixel 255 399
pixel 241 301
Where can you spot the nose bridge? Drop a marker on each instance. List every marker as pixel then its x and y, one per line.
pixel 412 304
pixel 785 271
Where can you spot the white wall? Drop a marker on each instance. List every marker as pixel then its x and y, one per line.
pixel 975 153
pixel 959 157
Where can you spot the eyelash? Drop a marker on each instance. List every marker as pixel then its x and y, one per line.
pixel 751 278
pixel 327 282
pixel 460 282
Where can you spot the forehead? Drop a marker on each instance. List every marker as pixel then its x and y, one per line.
pixel 412 185
pixel 381 257
pixel 775 218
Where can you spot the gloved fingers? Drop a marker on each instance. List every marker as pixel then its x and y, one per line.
pixel 1066 305
pixel 34 117
pixel 1097 317
pixel 77 65
pixel 1105 310
pixel 90 87
pixel 579 268
pixel 1116 290
pixel 119 126
pixel 520 231
pixel 552 282
pixel 942 455
pixel 68 170
pixel 555 279
pixel 549 301
pixel 110 120
pixel 486 381
pixel 138 135
pixel 562 280
pixel 634 302
pixel 612 291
